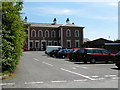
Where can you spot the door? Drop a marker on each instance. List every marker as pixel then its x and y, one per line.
pixel 43 46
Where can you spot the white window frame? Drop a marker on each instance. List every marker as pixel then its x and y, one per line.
pixel 67 43
pixel 69 33
pixel 52 33
pixel 38 43
pixel 41 33
pixel 32 43
pixel 45 33
pixel 49 42
pixel 78 43
pixel 31 33
pixel 78 33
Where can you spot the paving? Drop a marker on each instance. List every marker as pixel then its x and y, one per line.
pixel 37 70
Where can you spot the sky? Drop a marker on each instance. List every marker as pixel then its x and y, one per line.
pixel 100 19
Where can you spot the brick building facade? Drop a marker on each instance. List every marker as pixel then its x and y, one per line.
pixel 40 35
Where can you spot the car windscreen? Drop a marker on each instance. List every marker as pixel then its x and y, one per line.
pixel 118 53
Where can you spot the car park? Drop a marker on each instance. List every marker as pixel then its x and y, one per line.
pixel 63 53
pixel 92 55
pixel 117 59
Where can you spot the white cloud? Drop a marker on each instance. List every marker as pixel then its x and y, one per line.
pixel 113 4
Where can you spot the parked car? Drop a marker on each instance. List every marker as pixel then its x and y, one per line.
pixel 117 59
pixel 93 55
pixel 50 48
pixel 25 49
pixel 63 53
pixel 70 55
pixel 53 52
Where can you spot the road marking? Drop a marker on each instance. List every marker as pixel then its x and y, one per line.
pixel 115 77
pixel 73 68
pixel 76 73
pixel 94 76
pixel 85 67
pixel 47 63
pixel 58 81
pixel 99 78
pixel 35 59
pixel 5 84
pixel 33 82
pixel 110 75
pixel 80 80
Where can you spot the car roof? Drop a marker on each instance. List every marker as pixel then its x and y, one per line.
pixel 95 48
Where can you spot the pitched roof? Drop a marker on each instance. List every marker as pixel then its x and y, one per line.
pixel 51 25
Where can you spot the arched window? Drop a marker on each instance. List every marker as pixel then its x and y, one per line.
pixel 53 33
pixel 68 33
pixel 33 33
pixel 46 33
pixel 40 33
pixel 76 33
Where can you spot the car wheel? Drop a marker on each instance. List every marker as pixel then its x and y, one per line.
pixel 63 56
pixel 85 61
pixel 118 65
pixel 92 60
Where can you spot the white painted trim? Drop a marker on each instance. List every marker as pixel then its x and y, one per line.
pixel 32 43
pixel 31 33
pixel 38 43
pixel 49 42
pixel 54 33
pixel 75 33
pixel 48 33
pixel 78 42
pixel 62 37
pixel 67 43
pixel 41 33
pixel 69 33
pixel 43 41
pixel 28 37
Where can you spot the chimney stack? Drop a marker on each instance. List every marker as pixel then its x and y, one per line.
pixel 54 21
pixel 25 19
pixel 67 21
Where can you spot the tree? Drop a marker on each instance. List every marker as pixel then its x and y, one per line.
pixel 13 35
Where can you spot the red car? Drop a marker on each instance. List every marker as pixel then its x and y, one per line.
pixel 25 49
pixel 93 55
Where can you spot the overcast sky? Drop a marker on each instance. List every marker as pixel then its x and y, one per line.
pixel 100 19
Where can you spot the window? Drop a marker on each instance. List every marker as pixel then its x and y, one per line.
pixel 53 33
pixel 68 43
pixel 97 51
pixel 68 33
pixel 46 33
pixel 89 51
pixel 77 44
pixel 33 33
pixel 76 33
pixel 40 34
pixel 105 52
pixel 81 51
pixel 49 43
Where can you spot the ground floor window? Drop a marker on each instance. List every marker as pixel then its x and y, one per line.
pixel 77 45
pixel 31 44
pixel 49 43
pixel 68 43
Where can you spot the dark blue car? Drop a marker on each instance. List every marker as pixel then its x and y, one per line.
pixel 63 53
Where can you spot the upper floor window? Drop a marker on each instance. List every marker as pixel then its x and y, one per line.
pixel 46 33
pixel 33 33
pixel 40 33
pixel 53 33
pixel 68 33
pixel 76 33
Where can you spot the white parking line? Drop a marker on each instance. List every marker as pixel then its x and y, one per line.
pixel 110 75
pixel 85 67
pixel 80 80
pixel 33 82
pixel 35 59
pixel 76 73
pixel 47 63
pixel 94 76
pixel 58 81
pixel 5 84
pixel 73 68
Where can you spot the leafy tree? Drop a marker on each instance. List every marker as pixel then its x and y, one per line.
pixel 13 35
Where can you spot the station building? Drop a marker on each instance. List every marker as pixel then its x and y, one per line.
pixel 40 35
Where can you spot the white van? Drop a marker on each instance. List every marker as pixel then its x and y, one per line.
pixel 50 48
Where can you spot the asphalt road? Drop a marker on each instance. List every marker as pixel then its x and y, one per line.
pixel 37 70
